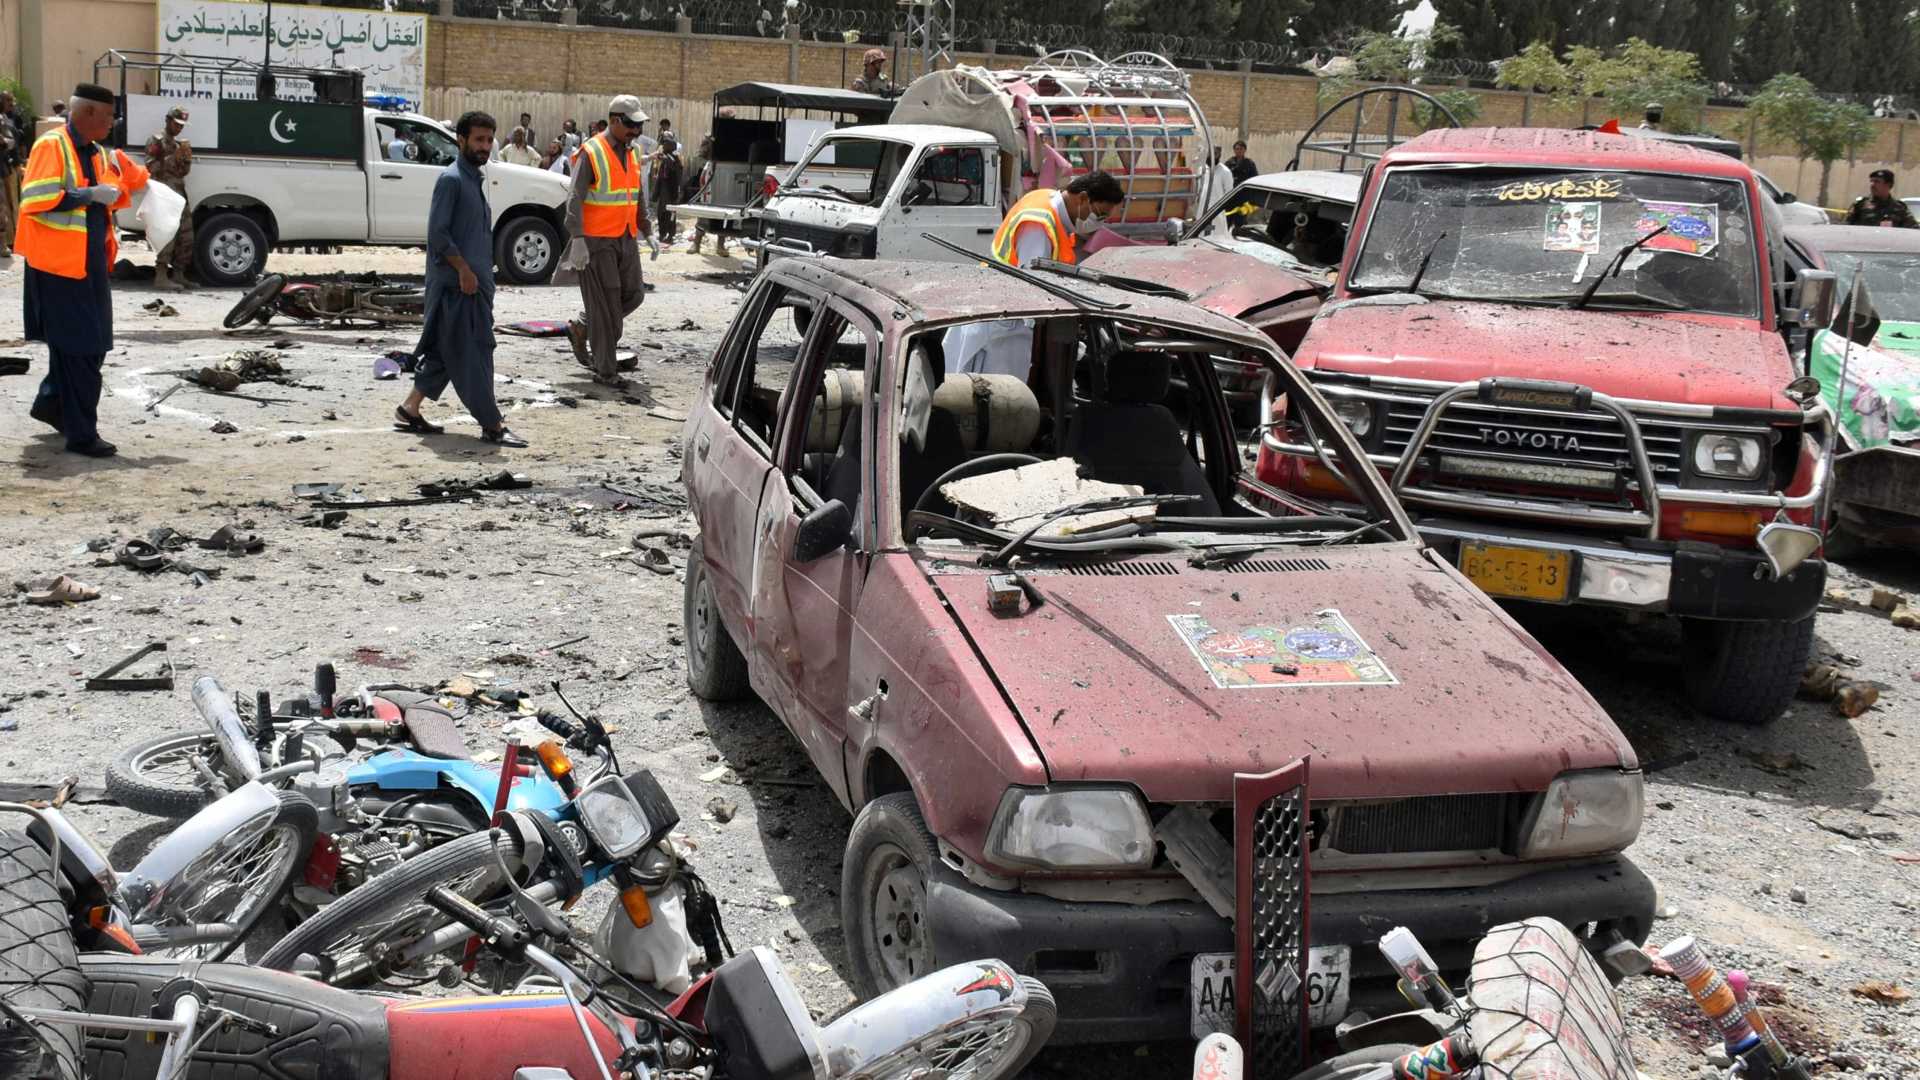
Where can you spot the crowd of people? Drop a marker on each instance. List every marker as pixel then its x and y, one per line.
pixel 670 178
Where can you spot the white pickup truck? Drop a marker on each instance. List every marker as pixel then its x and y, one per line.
pixel 269 174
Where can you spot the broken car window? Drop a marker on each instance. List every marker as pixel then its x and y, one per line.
pixel 1279 226
pixel 854 170
pixel 751 391
pixel 1541 235
pixel 1893 280
pixel 836 394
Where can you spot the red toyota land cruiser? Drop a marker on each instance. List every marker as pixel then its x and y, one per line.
pixel 1564 349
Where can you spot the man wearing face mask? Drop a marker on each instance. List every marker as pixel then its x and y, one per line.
pixel 1045 223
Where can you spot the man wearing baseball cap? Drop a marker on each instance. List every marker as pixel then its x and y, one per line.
pixel 169 159
pixel 605 215
pixel 871 80
pixel 1879 207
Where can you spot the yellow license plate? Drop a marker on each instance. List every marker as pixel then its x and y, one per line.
pixel 1524 573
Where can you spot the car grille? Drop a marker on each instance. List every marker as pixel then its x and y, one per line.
pixel 1427 823
pixel 1537 436
pixel 1274 938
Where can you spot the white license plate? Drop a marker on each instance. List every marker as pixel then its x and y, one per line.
pixel 1213 988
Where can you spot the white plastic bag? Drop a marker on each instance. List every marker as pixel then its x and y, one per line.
pixel 659 954
pixel 160 214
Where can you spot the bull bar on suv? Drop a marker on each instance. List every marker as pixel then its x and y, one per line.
pixel 1647 572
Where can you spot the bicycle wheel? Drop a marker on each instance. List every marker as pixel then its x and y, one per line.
pixel 158 777
pixel 241 878
pixel 984 1049
pixel 364 934
pixel 39 965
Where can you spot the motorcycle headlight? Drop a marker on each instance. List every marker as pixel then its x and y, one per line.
pixel 1585 813
pixel 1739 457
pixel 1357 415
pixel 626 814
pixel 1072 828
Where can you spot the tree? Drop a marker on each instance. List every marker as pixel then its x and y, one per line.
pixel 1711 37
pixel 1463 104
pixel 1486 31
pixel 1328 22
pixel 1628 78
pixel 1789 107
pixel 1888 67
pixel 1766 42
pixel 1394 57
pixel 1828 42
pixel 1265 21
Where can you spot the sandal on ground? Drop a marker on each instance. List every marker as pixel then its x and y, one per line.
pixel 230 539
pixel 414 422
pixel 504 436
pixel 140 555
pixel 60 590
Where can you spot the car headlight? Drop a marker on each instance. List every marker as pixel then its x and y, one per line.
pixel 626 814
pixel 1357 415
pixel 1739 457
pixel 1072 828
pixel 1585 813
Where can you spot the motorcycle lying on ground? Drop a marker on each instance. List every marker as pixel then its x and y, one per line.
pixel 1536 1007
pixel 577 1018
pixel 339 302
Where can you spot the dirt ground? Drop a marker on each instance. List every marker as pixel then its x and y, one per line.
pixel 1787 850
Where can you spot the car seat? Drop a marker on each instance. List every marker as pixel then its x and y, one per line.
pixel 1131 438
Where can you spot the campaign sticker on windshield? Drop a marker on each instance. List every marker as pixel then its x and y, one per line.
pixel 1593 187
pixel 1692 228
pixel 1323 650
pixel 1573 226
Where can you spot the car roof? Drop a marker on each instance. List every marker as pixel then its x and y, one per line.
pixel 913 133
pixel 1561 146
pixel 1820 239
pixel 1315 183
pixel 941 291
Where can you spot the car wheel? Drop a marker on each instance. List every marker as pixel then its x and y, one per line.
pixel 890 860
pixel 231 249
pixel 527 250
pixel 1744 672
pixel 716 670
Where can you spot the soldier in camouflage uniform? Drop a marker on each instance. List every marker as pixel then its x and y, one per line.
pixel 1879 207
pixel 169 159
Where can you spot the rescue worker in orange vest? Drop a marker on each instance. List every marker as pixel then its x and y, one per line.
pixel 604 217
pixel 71 188
pixel 1046 222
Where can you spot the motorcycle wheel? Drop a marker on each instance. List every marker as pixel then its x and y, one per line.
pixel 257 304
pixel 240 884
pixel 157 776
pixel 357 932
pixel 985 1050
pixel 1357 1062
pixel 39 965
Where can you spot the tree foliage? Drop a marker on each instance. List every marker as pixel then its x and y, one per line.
pixel 1766 41
pixel 1829 46
pixel 1628 78
pixel 1789 107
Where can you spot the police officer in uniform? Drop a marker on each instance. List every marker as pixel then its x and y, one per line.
pixel 169 159
pixel 1879 207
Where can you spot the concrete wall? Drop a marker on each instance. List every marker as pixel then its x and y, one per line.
pixel 58 40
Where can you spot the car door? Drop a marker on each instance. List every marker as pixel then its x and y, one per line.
pixel 730 438
pixel 803 610
pixel 400 189
pixel 951 192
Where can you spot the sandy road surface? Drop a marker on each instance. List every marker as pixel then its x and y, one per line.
pixel 1816 802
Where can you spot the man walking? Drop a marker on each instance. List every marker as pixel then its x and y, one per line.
pixel 1879 207
pixel 604 216
pixel 700 189
pixel 169 159
pixel 668 176
pixel 71 188
pixel 456 341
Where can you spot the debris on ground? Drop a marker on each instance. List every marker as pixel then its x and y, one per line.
pixel 1824 681
pixel 1885 993
pixel 1773 761
pixel 500 481
pixel 222 427
pixel 239 367
pixel 159 307
pixel 723 809
pixel 116 677
pixel 56 589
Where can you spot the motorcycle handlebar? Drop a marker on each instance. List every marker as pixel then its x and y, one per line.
pixel 503 934
pixel 215 706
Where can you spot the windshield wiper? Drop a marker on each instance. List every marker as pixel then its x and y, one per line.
pixel 1091 506
pixel 1613 267
pixel 1112 281
pixel 1077 299
pixel 1420 273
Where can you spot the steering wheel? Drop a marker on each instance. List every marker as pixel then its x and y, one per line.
pixel 990 463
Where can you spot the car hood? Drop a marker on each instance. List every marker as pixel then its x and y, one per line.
pixel 1683 359
pixel 1225 282
pixel 1443 694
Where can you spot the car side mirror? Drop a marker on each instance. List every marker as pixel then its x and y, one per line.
pixel 1176 229
pixel 824 529
pixel 1813 296
pixel 1856 317
pixel 1786 198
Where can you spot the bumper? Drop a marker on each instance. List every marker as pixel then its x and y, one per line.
pixel 1120 971
pixel 1696 580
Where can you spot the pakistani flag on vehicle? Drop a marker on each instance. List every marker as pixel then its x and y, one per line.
pixel 289 129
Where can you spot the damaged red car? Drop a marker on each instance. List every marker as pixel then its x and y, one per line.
pixel 1002 586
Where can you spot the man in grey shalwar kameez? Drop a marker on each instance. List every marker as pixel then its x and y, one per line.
pixel 456 341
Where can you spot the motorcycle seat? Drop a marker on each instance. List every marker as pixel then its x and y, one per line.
pixel 433 733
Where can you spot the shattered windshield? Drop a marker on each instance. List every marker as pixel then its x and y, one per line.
pixel 1893 280
pixel 1542 235
pixel 1282 227
pixel 852 170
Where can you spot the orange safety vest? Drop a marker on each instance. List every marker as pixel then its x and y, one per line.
pixel 614 199
pixel 1034 208
pixel 55 241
